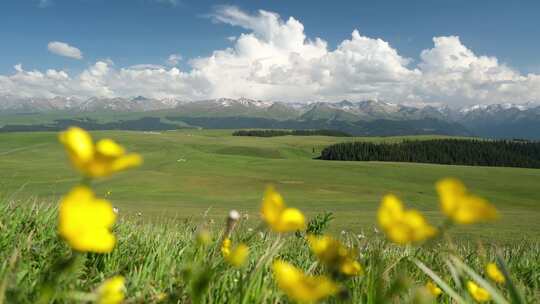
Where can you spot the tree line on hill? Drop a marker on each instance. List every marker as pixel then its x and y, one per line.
pixel 500 153
pixel 272 133
pixel 379 127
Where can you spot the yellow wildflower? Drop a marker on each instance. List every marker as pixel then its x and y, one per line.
pixel 96 160
pixel 494 273
pixel 301 287
pixel 462 207
pixel 111 291
pixel 236 256
pixel 403 226
pixel 278 216
pixel 350 267
pixel 226 247
pixel 85 221
pixel 433 289
pixel 478 293
pixel 335 255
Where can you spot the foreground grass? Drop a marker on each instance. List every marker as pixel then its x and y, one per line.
pixel 163 262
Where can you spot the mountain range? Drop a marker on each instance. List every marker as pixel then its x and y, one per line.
pixel 369 117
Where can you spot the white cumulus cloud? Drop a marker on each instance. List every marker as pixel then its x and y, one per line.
pixel 64 49
pixel 452 73
pixel 174 59
pixel 273 59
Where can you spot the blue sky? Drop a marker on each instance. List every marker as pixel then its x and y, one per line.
pixel 134 32
pixel 147 31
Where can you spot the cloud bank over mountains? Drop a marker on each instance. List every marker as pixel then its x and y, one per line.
pixel 274 60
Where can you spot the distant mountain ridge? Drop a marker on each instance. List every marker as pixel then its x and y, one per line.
pixel 497 120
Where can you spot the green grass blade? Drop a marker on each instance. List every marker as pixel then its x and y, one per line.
pixel 451 292
pixel 454 274
pixel 495 295
pixel 514 292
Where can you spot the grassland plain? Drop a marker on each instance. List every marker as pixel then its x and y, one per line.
pixel 189 172
pixel 162 261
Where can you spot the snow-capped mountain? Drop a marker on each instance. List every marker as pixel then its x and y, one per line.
pixel 506 119
pixel 246 102
pixel 135 104
pixel 230 102
pixel 19 104
pixel 346 110
pixel 501 120
pixel 494 108
pixel 229 107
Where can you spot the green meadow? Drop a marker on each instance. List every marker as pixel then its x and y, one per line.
pixel 191 173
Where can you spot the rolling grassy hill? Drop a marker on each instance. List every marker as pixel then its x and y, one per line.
pixel 188 172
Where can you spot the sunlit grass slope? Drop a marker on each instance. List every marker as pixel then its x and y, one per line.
pixel 189 172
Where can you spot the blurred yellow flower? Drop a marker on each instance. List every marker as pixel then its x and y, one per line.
pixel 494 273
pixel 226 247
pixel 85 221
pixel 96 160
pixel 433 289
pixel 335 255
pixel 301 287
pixel 403 226
pixel 236 256
pixel 278 216
pixel 350 267
pixel 112 291
pixel 478 293
pixel 462 207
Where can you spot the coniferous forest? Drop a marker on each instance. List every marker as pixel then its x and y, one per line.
pixel 272 133
pixel 502 153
